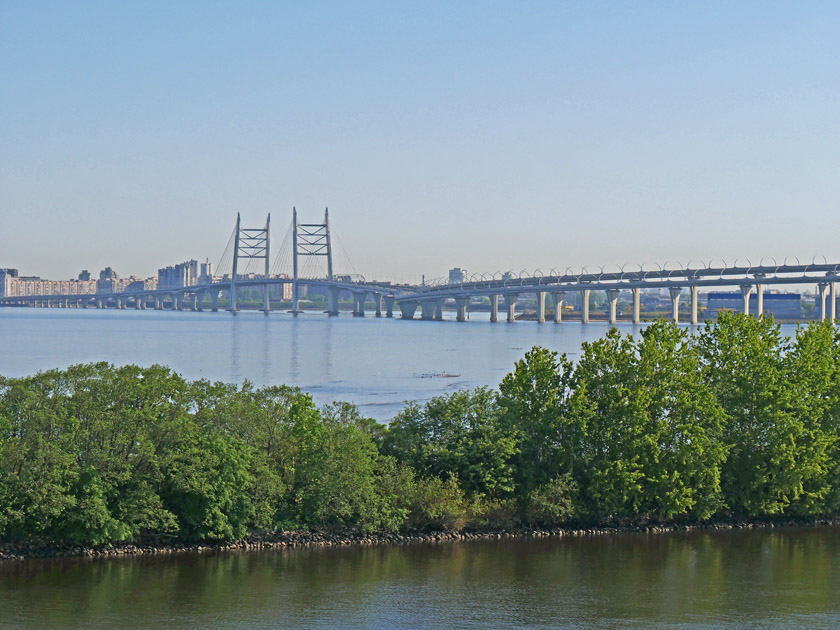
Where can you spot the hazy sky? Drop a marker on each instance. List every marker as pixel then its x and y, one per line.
pixel 483 135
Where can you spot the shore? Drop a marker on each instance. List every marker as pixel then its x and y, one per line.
pixel 11 552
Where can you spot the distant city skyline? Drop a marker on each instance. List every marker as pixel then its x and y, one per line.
pixel 487 137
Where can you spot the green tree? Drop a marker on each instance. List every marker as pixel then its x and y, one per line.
pixel 652 444
pixel 459 434
pixel 769 461
pixel 535 403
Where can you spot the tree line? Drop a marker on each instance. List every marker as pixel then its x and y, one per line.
pixel 736 421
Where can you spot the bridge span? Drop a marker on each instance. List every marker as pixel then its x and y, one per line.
pixel 313 240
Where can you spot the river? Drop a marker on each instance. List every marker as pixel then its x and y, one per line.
pixel 377 363
pixel 722 579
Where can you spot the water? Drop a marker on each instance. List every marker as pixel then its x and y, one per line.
pixel 733 579
pixel 377 363
pixel 758 579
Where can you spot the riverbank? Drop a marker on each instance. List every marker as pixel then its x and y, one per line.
pixel 283 540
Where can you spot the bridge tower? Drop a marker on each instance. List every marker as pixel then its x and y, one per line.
pixel 250 243
pixel 310 239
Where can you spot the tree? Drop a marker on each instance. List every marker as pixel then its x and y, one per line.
pixel 652 442
pixel 535 403
pixel 459 434
pixel 770 460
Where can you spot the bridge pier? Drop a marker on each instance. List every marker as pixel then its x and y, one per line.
pixel 759 295
pixel 439 310
pixel 407 309
pixel 266 296
pixel 137 303
pixel 746 291
pixel 214 301
pixel 821 295
pixel 510 306
pixel 559 297
pixel 199 300
pixel 612 298
pixel 334 293
pixel 832 296
pixel 428 309
pixel 359 303
pixel 694 293
pixel 389 305
pixel 637 306
pixel 675 292
pixel 541 307
pixel 494 307
pixel 99 303
pixel 377 300
pixel 584 306
pixel 461 304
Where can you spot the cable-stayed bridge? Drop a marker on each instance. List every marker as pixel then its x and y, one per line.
pixel 306 258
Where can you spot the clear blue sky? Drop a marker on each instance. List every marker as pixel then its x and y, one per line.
pixel 484 135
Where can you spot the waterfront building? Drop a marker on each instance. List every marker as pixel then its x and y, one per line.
pixel 780 305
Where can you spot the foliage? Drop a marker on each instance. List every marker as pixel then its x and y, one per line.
pixel 737 420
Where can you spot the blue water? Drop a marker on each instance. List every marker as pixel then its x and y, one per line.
pixel 376 363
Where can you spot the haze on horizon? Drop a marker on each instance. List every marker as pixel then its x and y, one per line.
pixel 489 136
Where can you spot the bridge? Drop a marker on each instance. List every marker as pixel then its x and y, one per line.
pixel 313 240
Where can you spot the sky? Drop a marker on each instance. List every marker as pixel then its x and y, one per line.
pixel 489 136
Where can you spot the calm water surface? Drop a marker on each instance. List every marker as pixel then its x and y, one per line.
pixel 758 579
pixel 377 363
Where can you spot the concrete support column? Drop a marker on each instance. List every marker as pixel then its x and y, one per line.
pixel 234 306
pixel 266 297
pixel 439 310
pixel 120 304
pixel 158 303
pixel 494 307
pixel 822 292
pixel 377 299
pixel 428 308
pixel 332 300
pixel 832 301
pixel 637 305
pixel 584 306
pixel 510 306
pixel 694 292
pixel 407 309
pixel 675 303
pixel 137 303
pixel 214 301
pixel 461 304
pixel 759 294
pixel 612 298
pixel 541 307
pixel 559 297
pixel 389 305
pixel 746 291
pixel 359 298
pixel 199 300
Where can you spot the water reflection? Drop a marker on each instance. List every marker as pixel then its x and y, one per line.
pixel 761 579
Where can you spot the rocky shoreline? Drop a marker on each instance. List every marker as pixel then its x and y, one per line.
pixel 340 538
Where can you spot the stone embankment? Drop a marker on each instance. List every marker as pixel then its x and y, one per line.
pixel 331 538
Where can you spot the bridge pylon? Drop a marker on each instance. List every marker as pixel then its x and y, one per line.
pixel 310 239
pixel 250 243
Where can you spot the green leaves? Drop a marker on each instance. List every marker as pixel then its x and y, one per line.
pixel 738 420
